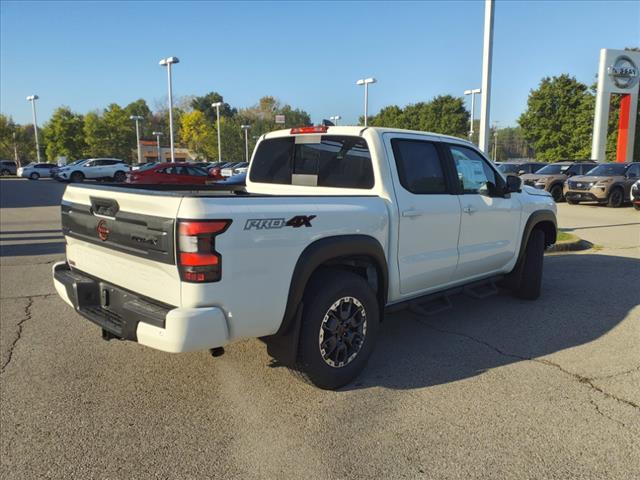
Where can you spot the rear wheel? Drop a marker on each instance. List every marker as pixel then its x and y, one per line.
pixel 339 328
pixel 531 267
pixel 34 176
pixel 119 177
pixel 615 198
pixel 77 177
pixel 556 193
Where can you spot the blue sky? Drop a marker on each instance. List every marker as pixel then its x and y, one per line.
pixel 308 54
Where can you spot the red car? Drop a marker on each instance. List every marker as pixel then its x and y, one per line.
pixel 178 173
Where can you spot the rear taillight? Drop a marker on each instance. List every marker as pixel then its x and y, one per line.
pixel 198 260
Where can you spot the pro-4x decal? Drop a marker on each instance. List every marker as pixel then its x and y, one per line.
pixel 271 223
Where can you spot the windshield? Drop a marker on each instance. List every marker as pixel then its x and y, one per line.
pixel 509 167
pixel 609 170
pixel 553 169
pixel 146 166
pixel 77 162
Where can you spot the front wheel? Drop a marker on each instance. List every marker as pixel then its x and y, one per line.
pixel 34 176
pixel 556 193
pixel 531 268
pixel 77 177
pixel 615 198
pixel 340 324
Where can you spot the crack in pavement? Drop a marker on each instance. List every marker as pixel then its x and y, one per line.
pixel 600 412
pixel 27 316
pixel 580 378
pixel 43 295
pixel 619 374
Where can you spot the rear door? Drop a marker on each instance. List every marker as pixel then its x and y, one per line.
pixel 429 213
pixel 490 223
pixel 123 237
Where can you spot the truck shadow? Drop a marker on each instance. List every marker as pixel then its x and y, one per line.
pixel 584 296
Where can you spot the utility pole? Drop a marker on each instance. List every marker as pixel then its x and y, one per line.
pixel 487 53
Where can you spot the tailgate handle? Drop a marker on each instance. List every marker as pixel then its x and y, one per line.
pixel 104 207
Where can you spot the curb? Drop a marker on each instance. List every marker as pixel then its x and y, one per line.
pixel 571 246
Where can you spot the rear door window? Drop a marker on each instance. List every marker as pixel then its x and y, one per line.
pixel 331 161
pixel 419 166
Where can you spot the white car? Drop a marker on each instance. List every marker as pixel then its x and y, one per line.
pixel 94 169
pixel 34 171
pixel 335 225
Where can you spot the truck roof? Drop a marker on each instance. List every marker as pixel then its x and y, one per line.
pixel 359 130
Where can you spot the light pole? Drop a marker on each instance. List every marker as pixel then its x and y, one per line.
pixel 246 140
pixel 167 62
pixel 335 119
pixel 473 106
pixel 495 140
pixel 32 99
pixel 137 119
pixel 487 52
pixel 158 135
pixel 218 105
pixel 366 82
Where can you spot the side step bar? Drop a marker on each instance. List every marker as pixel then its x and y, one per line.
pixel 435 303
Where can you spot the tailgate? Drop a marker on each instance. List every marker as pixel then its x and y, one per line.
pixel 124 237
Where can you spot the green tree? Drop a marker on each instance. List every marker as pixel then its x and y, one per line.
pixel 140 108
pixel 64 135
pixel 558 119
pixel 199 135
pixel 110 134
pixel 204 102
pixel 443 114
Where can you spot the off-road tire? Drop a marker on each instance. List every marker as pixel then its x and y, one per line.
pixel 324 290
pixel 615 198
pixel 77 177
pixel 531 267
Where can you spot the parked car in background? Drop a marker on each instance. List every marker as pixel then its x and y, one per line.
pixel 54 172
pixel 34 171
pixel 177 173
pixel 608 183
pixel 227 170
pixel 520 168
pixel 238 179
pixel 635 195
pixel 8 167
pixel 552 177
pixel 94 169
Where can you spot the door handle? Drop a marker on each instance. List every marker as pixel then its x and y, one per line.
pixel 469 209
pixel 412 213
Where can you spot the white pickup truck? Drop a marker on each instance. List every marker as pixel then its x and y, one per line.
pixel 336 225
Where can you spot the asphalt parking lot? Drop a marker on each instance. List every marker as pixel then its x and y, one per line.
pixel 494 388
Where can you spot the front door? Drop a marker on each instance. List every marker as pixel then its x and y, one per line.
pixel 490 225
pixel 429 213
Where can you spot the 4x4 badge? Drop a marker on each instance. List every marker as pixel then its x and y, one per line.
pixel 103 230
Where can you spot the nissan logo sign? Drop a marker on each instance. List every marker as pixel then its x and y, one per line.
pixel 103 230
pixel 623 72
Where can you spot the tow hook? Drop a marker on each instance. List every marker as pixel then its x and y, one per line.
pixel 216 352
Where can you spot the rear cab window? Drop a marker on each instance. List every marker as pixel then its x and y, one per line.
pixel 334 161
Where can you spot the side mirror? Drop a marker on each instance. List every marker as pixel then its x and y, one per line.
pixel 514 184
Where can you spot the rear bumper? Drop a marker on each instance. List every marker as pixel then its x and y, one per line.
pixel 128 316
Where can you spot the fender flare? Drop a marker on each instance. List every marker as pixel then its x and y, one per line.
pixel 283 345
pixel 536 218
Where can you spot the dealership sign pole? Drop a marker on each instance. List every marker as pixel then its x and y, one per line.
pixel 617 74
